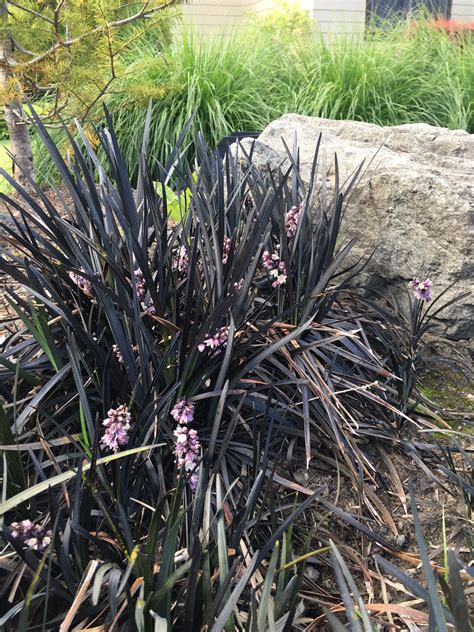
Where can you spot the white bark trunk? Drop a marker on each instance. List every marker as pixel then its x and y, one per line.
pixel 17 129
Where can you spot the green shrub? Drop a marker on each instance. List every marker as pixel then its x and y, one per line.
pixel 285 20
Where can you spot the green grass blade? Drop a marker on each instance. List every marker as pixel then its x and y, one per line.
pixel 222 545
pixel 17 477
pixel 263 609
pixel 39 488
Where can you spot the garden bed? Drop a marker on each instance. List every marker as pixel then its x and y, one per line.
pixel 168 385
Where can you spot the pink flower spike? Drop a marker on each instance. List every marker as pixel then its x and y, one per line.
pixel 82 283
pixel 140 286
pixel 117 425
pixel 117 353
pixel 187 450
pixel 217 339
pixel 226 249
pixel 181 260
pixel 291 221
pixel 140 292
pixel 270 261
pixel 150 307
pixel 183 411
pixel 276 268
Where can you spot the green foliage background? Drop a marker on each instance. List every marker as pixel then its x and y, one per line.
pixel 278 65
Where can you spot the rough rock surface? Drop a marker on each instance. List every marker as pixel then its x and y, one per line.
pixel 415 201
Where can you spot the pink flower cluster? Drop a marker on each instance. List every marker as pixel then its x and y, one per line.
pixel 150 307
pixel 270 261
pixel 32 535
pixel 226 249
pixel 276 268
pixel 187 446
pixel 187 452
pixel 183 411
pixel 140 290
pixel 217 339
pixel 422 289
pixel 291 221
pixel 140 285
pixel 181 260
pixel 82 283
pixel 117 425
pixel 118 354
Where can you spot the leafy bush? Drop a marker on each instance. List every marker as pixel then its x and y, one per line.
pixel 165 379
pixel 284 20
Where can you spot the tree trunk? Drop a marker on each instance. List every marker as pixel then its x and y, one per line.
pixel 13 111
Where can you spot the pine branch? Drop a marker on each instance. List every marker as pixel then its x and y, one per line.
pixel 30 11
pixel 143 14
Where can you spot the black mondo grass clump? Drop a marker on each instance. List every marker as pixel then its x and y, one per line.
pixel 407 320
pixel 166 378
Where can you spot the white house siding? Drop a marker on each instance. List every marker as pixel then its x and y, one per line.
pixel 339 16
pixel 257 7
pixel 463 10
pixel 215 17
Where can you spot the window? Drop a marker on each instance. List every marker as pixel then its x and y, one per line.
pixel 387 8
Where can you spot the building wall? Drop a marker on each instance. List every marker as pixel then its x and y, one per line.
pixel 336 16
pixel 257 7
pixel 209 17
pixel 215 17
pixel 463 10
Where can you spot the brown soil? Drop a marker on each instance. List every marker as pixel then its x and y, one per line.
pixel 437 502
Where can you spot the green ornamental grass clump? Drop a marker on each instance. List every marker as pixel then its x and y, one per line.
pixel 398 73
pixel 243 82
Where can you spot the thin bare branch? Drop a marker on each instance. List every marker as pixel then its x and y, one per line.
pixel 30 11
pixel 101 93
pixel 134 38
pixel 22 49
pixel 57 12
pixel 111 55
